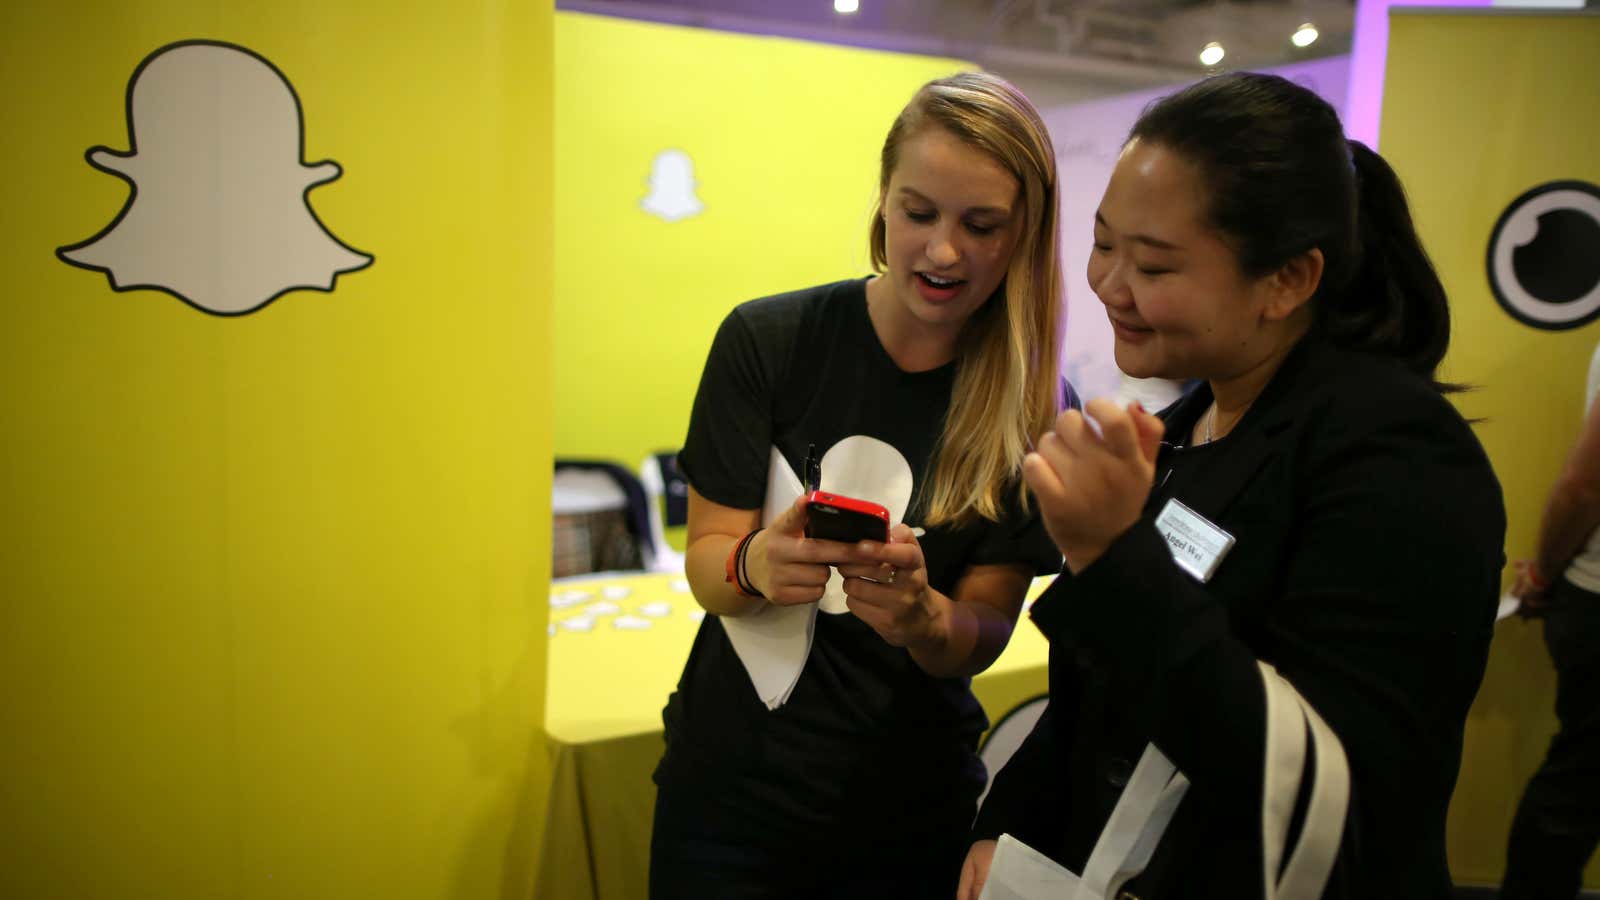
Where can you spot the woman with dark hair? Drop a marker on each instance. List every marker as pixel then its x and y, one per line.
pixel 1352 527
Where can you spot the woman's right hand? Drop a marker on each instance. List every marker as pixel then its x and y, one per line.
pixel 786 566
pixel 975 871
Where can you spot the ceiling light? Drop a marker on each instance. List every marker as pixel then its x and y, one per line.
pixel 846 6
pixel 1212 54
pixel 1305 35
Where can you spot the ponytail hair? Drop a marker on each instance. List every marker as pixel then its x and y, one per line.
pixel 1281 179
pixel 1395 304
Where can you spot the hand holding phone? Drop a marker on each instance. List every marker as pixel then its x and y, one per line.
pixel 834 517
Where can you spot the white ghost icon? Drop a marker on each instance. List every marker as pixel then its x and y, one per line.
pixel 773 643
pixel 218 214
pixel 672 187
pixel 870 469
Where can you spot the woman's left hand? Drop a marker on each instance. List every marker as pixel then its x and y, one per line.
pixel 1092 487
pixel 887 588
pixel 1529 589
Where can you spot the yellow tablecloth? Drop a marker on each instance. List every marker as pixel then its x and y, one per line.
pixel 607 685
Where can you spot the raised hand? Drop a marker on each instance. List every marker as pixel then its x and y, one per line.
pixel 1092 478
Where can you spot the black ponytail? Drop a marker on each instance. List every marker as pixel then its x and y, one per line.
pixel 1282 179
pixel 1395 304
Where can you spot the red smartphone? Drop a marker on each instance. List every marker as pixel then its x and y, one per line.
pixel 832 517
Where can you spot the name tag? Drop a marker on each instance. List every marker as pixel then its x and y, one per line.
pixel 1197 545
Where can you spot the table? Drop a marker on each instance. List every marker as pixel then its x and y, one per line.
pixel 618 642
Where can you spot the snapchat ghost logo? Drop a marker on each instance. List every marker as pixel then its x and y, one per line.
pixel 218 214
pixel 672 187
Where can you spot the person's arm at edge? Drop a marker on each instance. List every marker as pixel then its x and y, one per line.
pixel 1572 511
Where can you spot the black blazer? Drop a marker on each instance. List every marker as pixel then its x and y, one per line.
pixel 1369 535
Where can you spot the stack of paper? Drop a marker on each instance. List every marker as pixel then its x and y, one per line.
pixel 773 643
pixel 1020 872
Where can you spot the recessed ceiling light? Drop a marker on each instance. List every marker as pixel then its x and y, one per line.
pixel 1305 35
pixel 1212 54
pixel 846 6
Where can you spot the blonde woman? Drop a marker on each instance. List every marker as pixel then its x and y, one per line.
pixel 918 387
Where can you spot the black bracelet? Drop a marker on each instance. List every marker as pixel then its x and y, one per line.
pixel 746 586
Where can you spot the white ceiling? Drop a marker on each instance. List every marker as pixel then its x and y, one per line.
pixel 1058 51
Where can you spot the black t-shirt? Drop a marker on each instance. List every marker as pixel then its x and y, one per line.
pixel 867 739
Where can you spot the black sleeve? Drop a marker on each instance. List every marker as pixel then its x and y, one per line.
pixel 726 452
pixel 1383 623
pixel 1029 796
pixel 1018 538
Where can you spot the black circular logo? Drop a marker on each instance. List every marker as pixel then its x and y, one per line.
pixel 1544 256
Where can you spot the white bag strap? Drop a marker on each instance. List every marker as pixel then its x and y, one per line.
pixel 1137 822
pixel 1282 762
pixel 1311 862
pixel 1145 847
pixel 1151 797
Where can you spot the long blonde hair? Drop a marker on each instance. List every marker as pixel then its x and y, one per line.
pixel 1007 375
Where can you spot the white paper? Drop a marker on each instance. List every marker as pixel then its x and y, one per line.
pixel 1019 872
pixel 1508 607
pixel 773 644
pixel 564 599
pixel 774 641
pixel 869 469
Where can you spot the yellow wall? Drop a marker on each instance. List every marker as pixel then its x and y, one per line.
pixel 1468 136
pixel 784 136
pixel 274 586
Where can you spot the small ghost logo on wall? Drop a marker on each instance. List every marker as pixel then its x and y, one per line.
pixel 219 214
pixel 672 186
pixel 1544 256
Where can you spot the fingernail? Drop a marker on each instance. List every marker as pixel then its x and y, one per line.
pixel 1139 406
pixel 1028 440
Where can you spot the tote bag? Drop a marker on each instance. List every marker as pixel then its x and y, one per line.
pixel 1147 804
